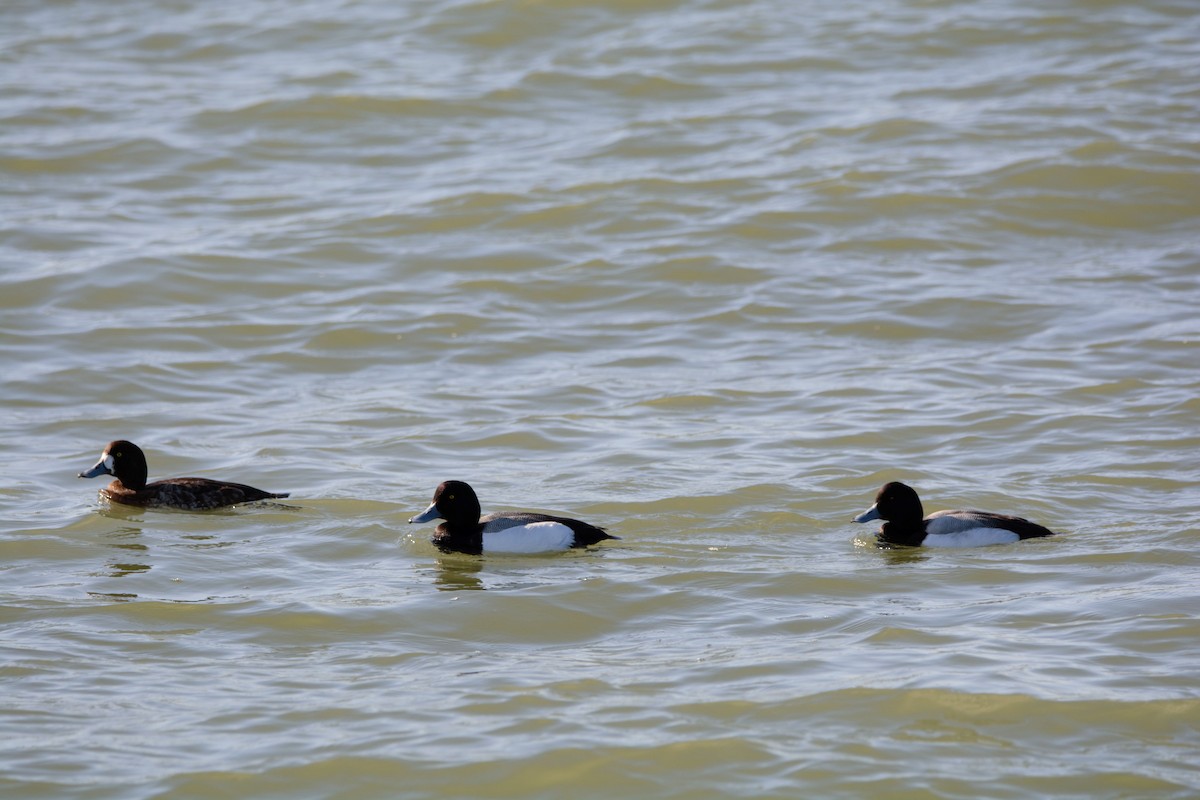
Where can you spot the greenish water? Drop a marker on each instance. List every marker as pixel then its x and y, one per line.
pixel 705 273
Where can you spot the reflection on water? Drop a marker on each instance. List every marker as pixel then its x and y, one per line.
pixel 457 573
pixel 122 512
pixel 203 541
pixel 895 556
pixel 121 568
pixel 125 532
pixel 892 555
pixel 708 272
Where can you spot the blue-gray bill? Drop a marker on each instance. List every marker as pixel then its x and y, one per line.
pixel 868 515
pixel 103 467
pixel 427 515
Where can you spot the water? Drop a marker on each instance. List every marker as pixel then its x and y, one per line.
pixel 706 273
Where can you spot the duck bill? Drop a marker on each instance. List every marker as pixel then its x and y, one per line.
pixel 427 515
pixel 102 468
pixel 868 515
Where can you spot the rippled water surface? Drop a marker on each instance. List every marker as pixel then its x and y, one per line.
pixel 705 273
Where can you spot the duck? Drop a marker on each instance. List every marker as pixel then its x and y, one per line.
pixel 126 462
pixel 506 532
pixel 905 524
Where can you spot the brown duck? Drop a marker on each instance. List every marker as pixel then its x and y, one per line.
pixel 126 462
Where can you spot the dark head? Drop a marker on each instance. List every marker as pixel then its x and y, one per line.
pixel 895 502
pixel 124 461
pixel 455 502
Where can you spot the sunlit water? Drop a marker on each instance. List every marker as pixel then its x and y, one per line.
pixel 705 273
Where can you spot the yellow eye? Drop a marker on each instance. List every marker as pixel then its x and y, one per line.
pixel 449 497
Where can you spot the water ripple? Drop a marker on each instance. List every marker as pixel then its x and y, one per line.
pixel 704 273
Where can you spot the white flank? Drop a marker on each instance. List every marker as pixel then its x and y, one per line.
pixel 534 537
pixel 971 537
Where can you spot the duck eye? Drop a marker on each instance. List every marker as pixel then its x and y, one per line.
pixel 449 497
